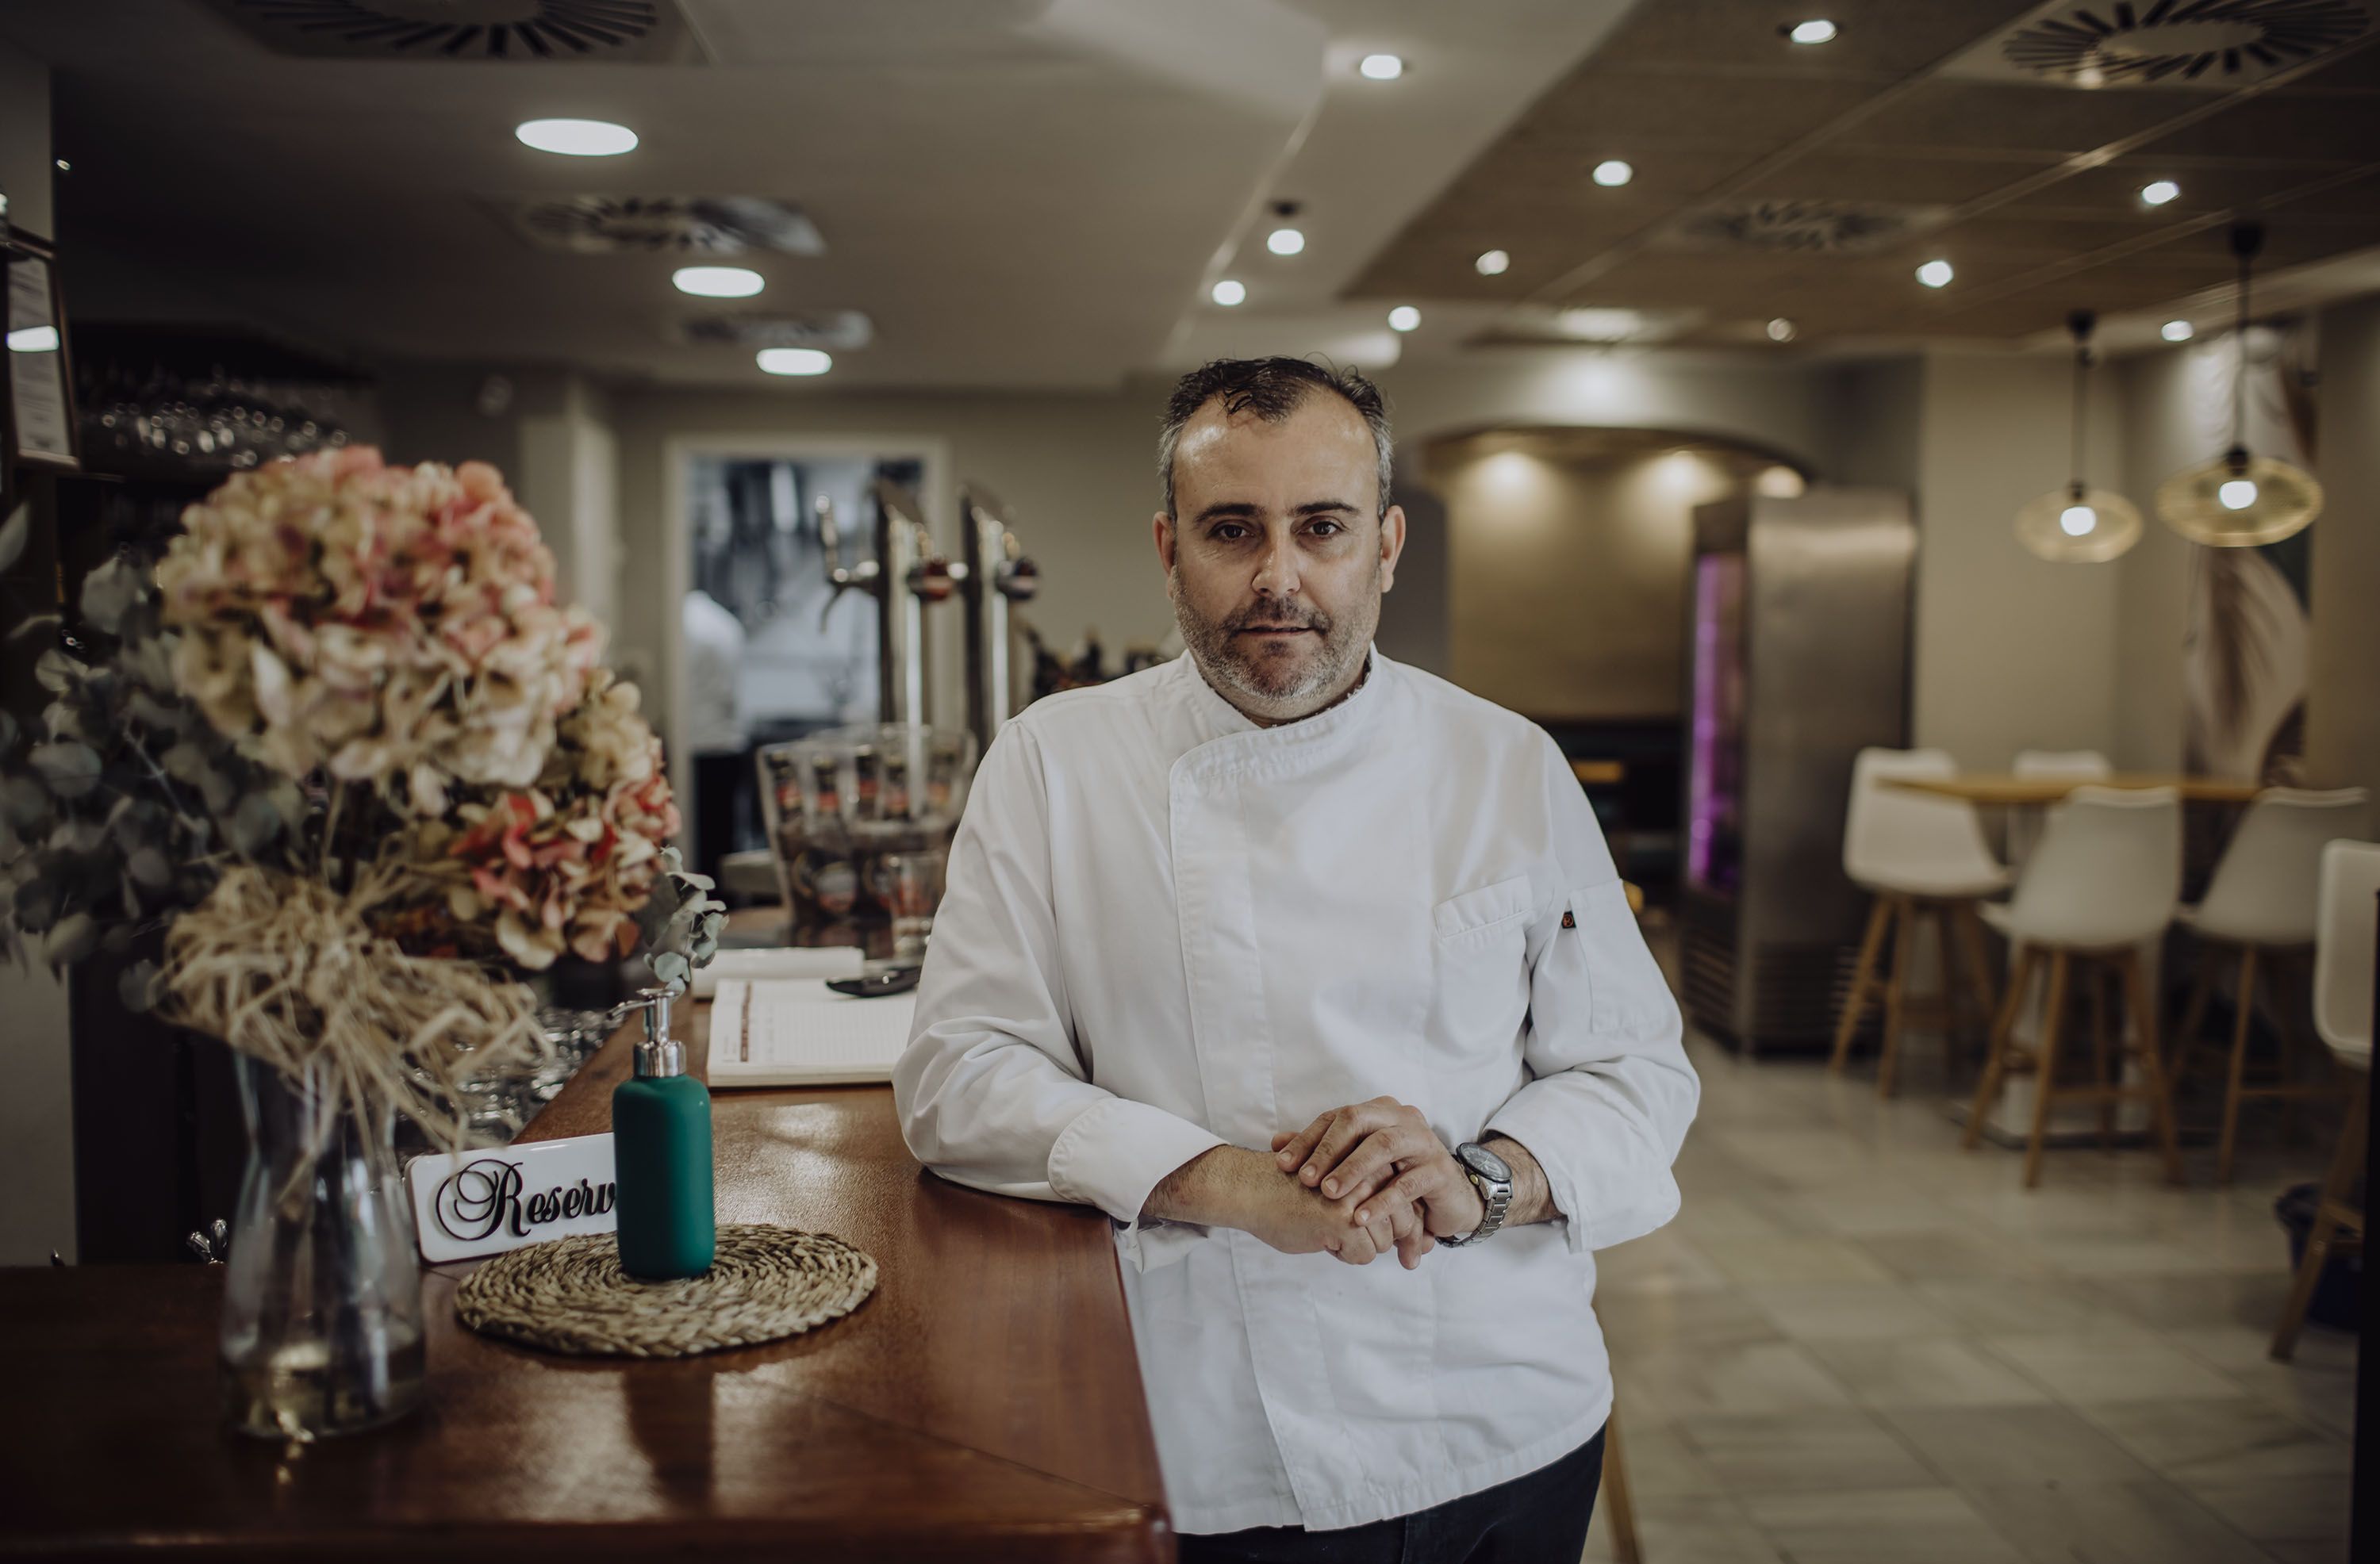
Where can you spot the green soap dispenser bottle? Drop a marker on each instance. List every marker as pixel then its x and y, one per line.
pixel 661 1147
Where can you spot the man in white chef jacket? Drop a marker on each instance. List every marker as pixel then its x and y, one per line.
pixel 1255 951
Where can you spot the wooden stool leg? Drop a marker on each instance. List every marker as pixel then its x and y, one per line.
pixel 2099 1072
pixel 2335 1186
pixel 1618 1505
pixel 1896 991
pixel 2144 1034
pixel 1879 919
pixel 2053 1021
pixel 1979 961
pixel 2247 1008
pixel 1996 1059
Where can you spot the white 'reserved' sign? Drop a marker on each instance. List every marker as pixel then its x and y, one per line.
pixel 473 1202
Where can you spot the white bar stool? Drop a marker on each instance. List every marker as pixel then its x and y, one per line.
pixel 2342 1013
pixel 1921 857
pixel 2263 899
pixel 2024 825
pixel 2105 880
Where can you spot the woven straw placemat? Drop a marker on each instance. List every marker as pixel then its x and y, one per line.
pixel 569 1294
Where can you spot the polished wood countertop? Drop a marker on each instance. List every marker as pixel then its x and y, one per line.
pixel 1990 787
pixel 984 1402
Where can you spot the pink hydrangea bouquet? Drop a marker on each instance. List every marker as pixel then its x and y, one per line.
pixel 347 727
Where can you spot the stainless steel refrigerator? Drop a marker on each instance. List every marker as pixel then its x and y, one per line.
pixel 1797 657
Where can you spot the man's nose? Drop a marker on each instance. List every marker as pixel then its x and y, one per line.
pixel 1276 571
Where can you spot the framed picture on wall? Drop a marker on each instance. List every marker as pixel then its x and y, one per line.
pixel 41 415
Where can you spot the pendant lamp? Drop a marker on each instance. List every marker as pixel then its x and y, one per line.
pixel 2078 525
pixel 2237 501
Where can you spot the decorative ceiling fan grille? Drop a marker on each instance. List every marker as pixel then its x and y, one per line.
pixel 2142 43
pixel 1809 227
pixel 822 328
pixel 686 225
pixel 466 29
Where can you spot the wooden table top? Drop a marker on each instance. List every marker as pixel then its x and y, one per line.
pixel 984 1402
pixel 1984 787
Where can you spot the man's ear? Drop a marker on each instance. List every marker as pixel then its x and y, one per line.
pixel 1393 545
pixel 1162 527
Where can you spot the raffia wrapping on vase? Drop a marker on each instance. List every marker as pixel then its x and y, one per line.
pixel 289 972
pixel 569 1294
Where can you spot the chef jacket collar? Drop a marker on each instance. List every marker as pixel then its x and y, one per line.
pixel 1234 741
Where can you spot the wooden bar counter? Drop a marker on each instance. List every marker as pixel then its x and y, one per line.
pixel 983 1403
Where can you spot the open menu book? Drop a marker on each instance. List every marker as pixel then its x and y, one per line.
pixel 800 1033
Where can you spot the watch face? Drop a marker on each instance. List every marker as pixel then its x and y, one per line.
pixel 1486 1163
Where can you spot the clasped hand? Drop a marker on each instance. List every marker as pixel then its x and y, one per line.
pixel 1376 1178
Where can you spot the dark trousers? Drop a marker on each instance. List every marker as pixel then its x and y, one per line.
pixel 1537 1518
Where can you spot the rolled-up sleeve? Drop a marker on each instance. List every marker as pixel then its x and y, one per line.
pixel 1610 1092
pixel 991 1091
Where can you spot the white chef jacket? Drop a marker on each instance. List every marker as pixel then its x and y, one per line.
pixel 1167 928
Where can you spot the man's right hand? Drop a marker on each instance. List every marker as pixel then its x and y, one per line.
pixel 1230 1186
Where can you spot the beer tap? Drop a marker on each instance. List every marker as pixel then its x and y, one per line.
pixel 994 573
pixel 863 576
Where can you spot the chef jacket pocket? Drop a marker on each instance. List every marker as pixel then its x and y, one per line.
pixel 1481 990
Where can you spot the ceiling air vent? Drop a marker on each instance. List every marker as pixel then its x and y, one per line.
pixel 2179 42
pixel 665 225
pixel 1807 227
pixel 817 328
pixel 604 31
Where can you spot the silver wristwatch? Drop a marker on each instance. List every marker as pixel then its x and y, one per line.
pixel 1492 1177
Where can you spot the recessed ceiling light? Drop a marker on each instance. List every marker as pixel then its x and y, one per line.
pixel 1936 273
pixel 64 166
pixel 1816 30
pixel 2177 331
pixel 1284 241
pixel 1228 292
pixel 1403 318
pixel 2158 192
pixel 1492 264
pixel 576 138
pixel 794 360
pixel 33 339
pixel 1382 67
pixel 1612 172
pixel 1780 330
pixel 716 282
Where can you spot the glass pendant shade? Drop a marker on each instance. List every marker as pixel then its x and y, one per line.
pixel 2077 526
pixel 2237 501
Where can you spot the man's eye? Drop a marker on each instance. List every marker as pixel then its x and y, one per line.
pixel 1327 529
pixel 1230 532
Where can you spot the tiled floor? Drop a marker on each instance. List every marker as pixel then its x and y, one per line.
pixel 1859 1343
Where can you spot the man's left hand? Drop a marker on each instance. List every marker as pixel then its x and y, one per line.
pixel 1356 1151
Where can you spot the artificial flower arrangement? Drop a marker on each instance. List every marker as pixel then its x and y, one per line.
pixel 346 751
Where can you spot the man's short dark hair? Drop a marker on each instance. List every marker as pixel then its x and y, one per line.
pixel 1272 389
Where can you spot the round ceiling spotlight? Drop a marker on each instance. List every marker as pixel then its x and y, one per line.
pixel 1493 263
pixel 1781 330
pixel 1936 273
pixel 1611 173
pixel 1228 292
pixel 33 339
pixel 1285 241
pixel 794 360
pixel 2159 191
pixel 716 282
pixel 1381 68
pixel 576 138
pixel 2177 331
pixel 1403 318
pixel 1817 29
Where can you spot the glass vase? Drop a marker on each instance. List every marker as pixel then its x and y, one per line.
pixel 322 1322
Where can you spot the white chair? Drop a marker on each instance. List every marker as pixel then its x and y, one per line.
pixel 2105 880
pixel 2344 941
pixel 2262 900
pixel 2024 825
pixel 1922 856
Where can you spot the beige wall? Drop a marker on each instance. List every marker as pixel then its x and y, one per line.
pixel 1567 578
pixel 2153 581
pixel 2011 652
pixel 2343 674
pixel 37 1110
